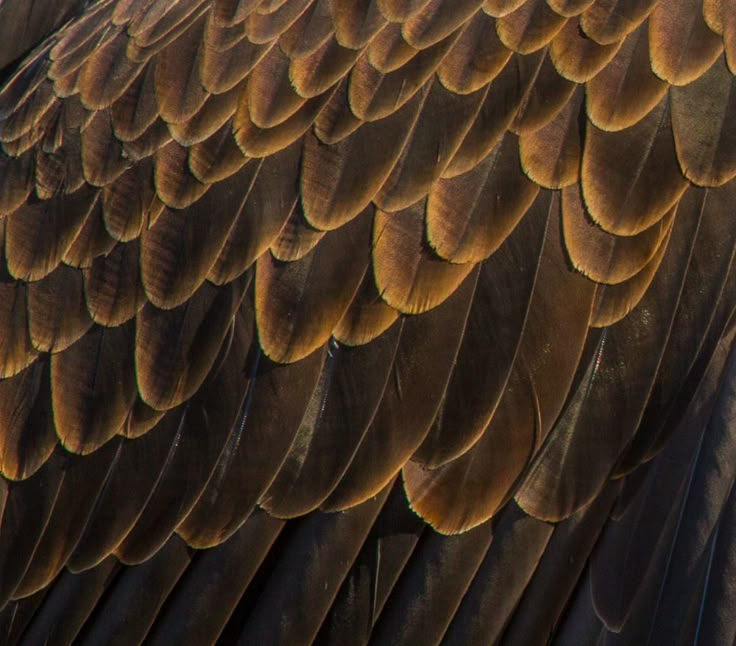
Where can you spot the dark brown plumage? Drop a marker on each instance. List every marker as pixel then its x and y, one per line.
pixel 351 321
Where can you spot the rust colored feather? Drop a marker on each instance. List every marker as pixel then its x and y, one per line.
pixel 468 490
pixel 136 109
pixel 103 156
pixel 181 247
pixel 388 51
pixel 179 91
pixel 92 240
pixel 176 186
pixel 317 73
pixel 127 200
pixel 614 302
pixel 216 111
pixel 258 142
pixel 336 121
pixel 270 98
pixel 149 143
pixel 356 21
pixel 216 158
pixel 296 238
pixel 430 148
pixel 107 73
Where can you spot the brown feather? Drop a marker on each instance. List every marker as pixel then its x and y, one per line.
pixel 353 382
pixel 409 275
pixel 428 346
pixel 269 195
pixel 299 303
pixel 338 181
pixel 490 342
pixel 681 45
pixel 476 58
pixel 28 437
pixel 530 27
pixel 367 316
pixel 551 155
pixel 705 135
pixel 100 362
pixel 608 21
pixel 620 199
pixel 256 448
pixel 506 94
pixel 112 287
pixel 57 315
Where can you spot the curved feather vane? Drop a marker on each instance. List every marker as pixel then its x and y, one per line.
pixel 367 321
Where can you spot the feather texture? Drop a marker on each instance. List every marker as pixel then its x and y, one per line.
pixel 397 321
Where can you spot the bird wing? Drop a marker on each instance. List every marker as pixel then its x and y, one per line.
pixel 390 320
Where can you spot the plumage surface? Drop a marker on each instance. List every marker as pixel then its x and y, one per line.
pixel 389 321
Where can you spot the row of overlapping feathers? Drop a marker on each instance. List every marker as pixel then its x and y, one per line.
pixel 269 255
